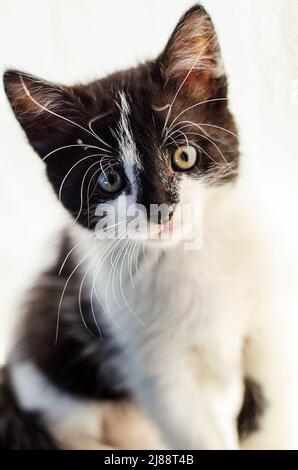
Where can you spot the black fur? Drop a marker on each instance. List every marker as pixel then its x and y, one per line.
pixel 253 408
pixel 83 361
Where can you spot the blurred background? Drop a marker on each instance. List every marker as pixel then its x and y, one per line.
pixel 78 40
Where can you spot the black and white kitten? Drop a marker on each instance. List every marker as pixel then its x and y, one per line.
pixel 177 322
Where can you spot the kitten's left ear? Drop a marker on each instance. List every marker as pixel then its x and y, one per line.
pixel 193 54
pixel 46 111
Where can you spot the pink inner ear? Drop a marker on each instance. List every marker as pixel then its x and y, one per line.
pixel 194 52
pixel 20 98
pixel 32 97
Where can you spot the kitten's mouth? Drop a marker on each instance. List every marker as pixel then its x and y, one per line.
pixel 166 228
pixel 169 233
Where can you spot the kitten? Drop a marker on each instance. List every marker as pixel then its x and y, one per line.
pixel 169 314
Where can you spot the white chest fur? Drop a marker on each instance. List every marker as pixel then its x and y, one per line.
pixel 184 319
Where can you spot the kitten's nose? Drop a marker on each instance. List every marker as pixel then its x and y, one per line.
pixel 163 220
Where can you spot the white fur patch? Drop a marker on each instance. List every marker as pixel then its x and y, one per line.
pixel 187 322
pixel 127 146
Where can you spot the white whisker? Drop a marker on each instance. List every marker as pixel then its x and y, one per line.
pixel 73 145
pixel 194 106
pixel 64 289
pixel 44 108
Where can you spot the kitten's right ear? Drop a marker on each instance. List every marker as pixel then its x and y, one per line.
pixel 44 110
pixel 192 54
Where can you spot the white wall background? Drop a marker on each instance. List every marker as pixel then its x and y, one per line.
pixel 77 40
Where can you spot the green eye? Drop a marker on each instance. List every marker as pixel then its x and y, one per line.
pixel 111 181
pixel 184 158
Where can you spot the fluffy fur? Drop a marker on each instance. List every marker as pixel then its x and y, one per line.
pixel 184 333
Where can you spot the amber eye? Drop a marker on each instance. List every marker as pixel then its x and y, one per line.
pixel 184 158
pixel 111 181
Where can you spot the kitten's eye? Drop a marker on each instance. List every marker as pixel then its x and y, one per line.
pixel 184 158
pixel 111 181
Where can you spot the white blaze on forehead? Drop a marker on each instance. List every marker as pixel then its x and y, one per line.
pixel 127 146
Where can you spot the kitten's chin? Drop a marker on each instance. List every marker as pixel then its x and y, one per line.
pixel 166 238
pixel 162 244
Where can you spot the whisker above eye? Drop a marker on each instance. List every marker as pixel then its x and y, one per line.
pixel 204 125
pixel 219 127
pixel 53 113
pixel 96 118
pixel 180 132
pixel 174 142
pixel 107 166
pixel 194 106
pixel 74 145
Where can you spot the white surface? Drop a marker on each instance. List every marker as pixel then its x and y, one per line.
pixel 74 40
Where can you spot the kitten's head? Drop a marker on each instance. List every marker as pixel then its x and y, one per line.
pixel 137 146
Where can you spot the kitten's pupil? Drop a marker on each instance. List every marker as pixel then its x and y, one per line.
pixel 184 156
pixel 111 179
